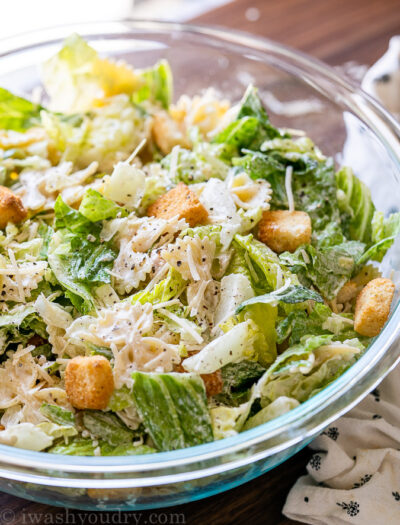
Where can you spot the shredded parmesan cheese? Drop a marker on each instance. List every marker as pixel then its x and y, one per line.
pixel 288 187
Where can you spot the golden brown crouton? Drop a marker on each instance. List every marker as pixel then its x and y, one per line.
pixel 11 207
pixel 179 201
pixel 168 133
pixel 347 293
pixel 373 307
pixel 89 382
pixel 213 383
pixel 284 230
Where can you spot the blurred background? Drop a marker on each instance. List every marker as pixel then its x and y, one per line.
pixel 44 13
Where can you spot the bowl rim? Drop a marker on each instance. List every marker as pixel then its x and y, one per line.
pixel 387 130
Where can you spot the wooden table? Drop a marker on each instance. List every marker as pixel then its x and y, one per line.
pixel 335 31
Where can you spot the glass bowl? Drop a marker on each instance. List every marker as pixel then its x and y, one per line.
pixel 349 125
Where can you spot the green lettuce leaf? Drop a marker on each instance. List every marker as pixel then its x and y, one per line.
pixel 76 76
pixel 354 200
pixel 238 264
pixel 299 323
pixel 59 257
pixel 107 427
pixel 84 447
pixel 156 84
pixel 297 357
pixel 327 268
pixel 77 257
pixel 200 164
pixel 235 345
pixel 121 398
pixel 17 113
pixel 313 185
pixel 173 408
pixel 58 415
pixel 90 260
pixel 281 405
pixel 165 290
pixel 250 129
pixel 237 379
pixel 95 207
pixel 19 326
pixel 266 265
pixel 73 220
pixel 263 318
pixel 238 134
pixel 227 421
pixel 384 233
pixel 306 369
pixel 251 106
pixel 290 295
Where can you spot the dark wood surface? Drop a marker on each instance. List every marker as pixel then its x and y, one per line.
pixel 335 31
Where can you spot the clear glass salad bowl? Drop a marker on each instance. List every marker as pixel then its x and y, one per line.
pixel 346 124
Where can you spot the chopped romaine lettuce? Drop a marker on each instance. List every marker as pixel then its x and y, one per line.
pixel 384 233
pixel 303 370
pixel 235 288
pixel 77 257
pixel 165 290
pixel 239 134
pixel 327 268
pixel 17 113
pixel 313 184
pixel 197 165
pixel 287 294
pixel 281 405
pixel 19 326
pixel 58 415
pixel 78 292
pixel 73 220
pixel 86 447
pixel 233 346
pixel 76 76
pixel 107 427
pixel 237 379
pixel 95 207
pixel 263 317
pixel 173 408
pixel 228 421
pixel 121 398
pixel 355 203
pixel 156 84
pixel 264 265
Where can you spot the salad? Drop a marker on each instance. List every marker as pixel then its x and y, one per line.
pixel 171 273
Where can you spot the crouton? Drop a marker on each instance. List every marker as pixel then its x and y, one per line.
pixel 89 382
pixel 168 133
pixel 347 293
pixel 373 307
pixel 284 230
pixel 212 382
pixel 11 207
pixel 181 202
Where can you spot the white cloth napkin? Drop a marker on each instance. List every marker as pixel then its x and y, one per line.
pixel 354 477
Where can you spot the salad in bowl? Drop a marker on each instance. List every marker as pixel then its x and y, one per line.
pixel 171 273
